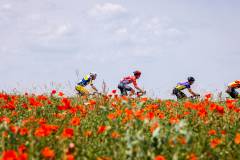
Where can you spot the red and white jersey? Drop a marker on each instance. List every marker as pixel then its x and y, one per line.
pixel 235 84
pixel 129 80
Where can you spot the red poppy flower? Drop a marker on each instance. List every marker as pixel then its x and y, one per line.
pixel 23 156
pixel 45 130
pixel 212 132
pixel 150 115
pixel 48 153
pixel 22 148
pixel 111 116
pixel 192 157
pixel 220 109
pixel 23 131
pixel 237 138
pixel 88 133
pixel 75 121
pixel 101 129
pixel 215 142
pixel 115 135
pixel 68 133
pixel 144 99
pixel 153 127
pixel 13 129
pixel 159 157
pixel 128 112
pixel 92 102
pixel 53 92
pixel 202 113
pixel 70 157
pixel 61 94
pixel 212 107
pixel 223 132
pixel 9 155
pixel 208 96
pixel 5 119
pixel 173 120
pixel 66 104
pixel 161 115
pixel 182 140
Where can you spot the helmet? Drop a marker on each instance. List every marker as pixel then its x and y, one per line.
pixel 93 74
pixel 191 79
pixel 137 73
pixel 237 81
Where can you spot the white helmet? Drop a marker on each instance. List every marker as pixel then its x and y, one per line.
pixel 93 74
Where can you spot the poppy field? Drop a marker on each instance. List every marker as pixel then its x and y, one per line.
pixel 111 127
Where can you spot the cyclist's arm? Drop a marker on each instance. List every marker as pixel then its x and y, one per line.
pixel 138 88
pixel 193 93
pixel 94 88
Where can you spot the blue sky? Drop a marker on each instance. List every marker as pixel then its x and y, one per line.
pixel 43 44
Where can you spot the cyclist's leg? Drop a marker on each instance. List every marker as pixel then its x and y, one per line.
pixel 132 92
pixel 180 95
pixel 78 89
pixel 122 90
pixel 232 92
pixel 183 95
pixel 229 91
pixel 124 93
pixel 174 92
pixel 129 89
pixel 81 90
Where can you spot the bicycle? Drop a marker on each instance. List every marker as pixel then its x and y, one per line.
pixel 89 94
pixel 140 94
pixel 194 98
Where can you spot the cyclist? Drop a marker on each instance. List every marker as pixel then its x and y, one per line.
pixel 88 79
pixel 177 91
pixel 232 89
pixel 124 87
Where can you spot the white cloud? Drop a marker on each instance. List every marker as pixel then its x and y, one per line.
pixel 121 31
pixel 56 31
pixel 107 9
pixel 174 32
pixel 6 6
pixel 61 30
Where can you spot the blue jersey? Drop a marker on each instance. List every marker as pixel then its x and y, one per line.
pixel 86 80
pixel 182 86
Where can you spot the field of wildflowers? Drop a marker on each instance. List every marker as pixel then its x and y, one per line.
pixel 111 127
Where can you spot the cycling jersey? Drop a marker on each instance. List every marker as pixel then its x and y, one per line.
pixel 235 84
pixel 182 86
pixel 86 80
pixel 128 80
